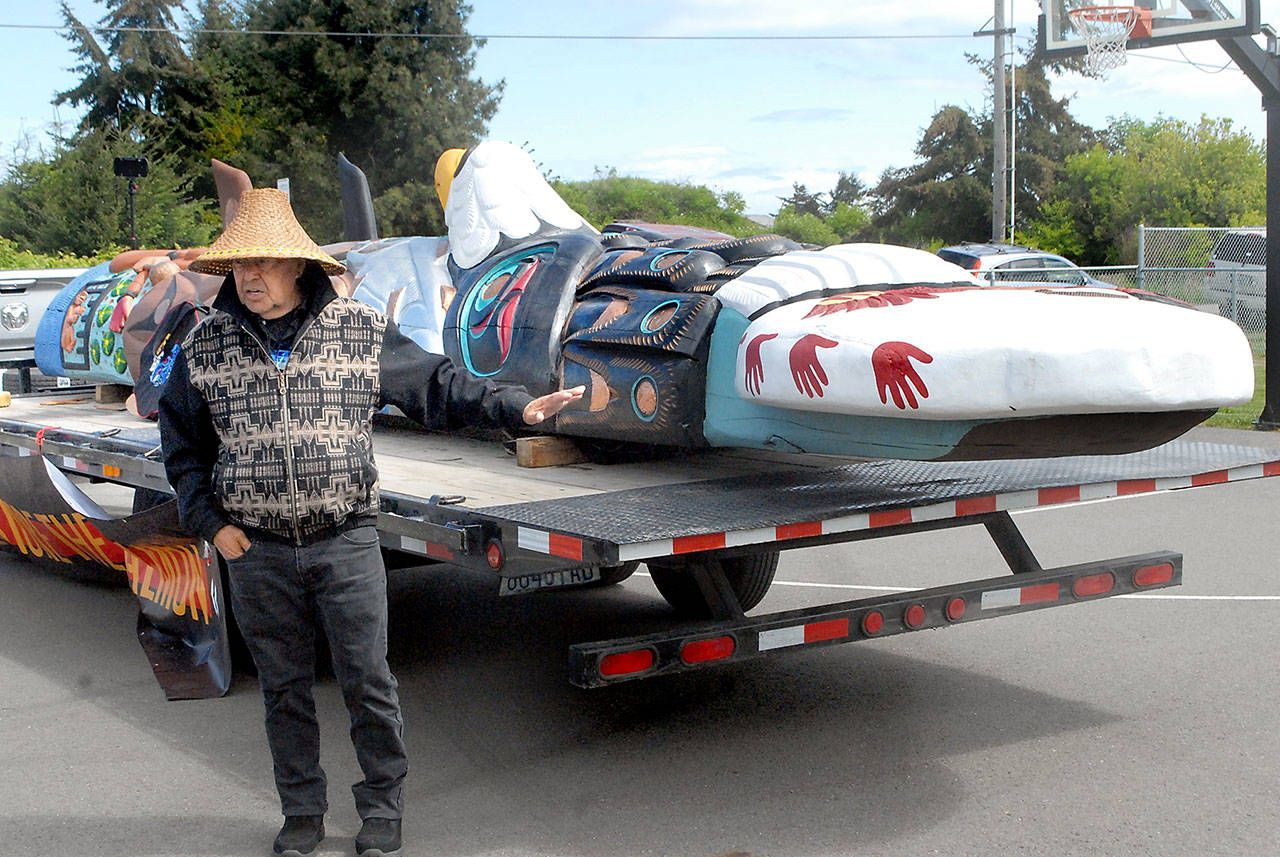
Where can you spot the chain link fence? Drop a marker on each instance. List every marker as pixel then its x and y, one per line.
pixel 1219 269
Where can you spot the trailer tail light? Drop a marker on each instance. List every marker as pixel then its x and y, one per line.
pixel 881 616
pixel 494 555
pixel 914 617
pixel 1094 584
pixel 1153 575
pixel 701 651
pixel 626 663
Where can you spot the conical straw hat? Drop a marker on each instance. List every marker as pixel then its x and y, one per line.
pixel 264 228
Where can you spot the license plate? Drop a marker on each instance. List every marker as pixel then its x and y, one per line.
pixel 547 580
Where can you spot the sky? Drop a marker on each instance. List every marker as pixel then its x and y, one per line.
pixel 751 116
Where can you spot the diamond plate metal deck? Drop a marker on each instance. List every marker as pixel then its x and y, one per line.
pixel 785 496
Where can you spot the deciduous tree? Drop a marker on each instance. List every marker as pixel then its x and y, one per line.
pixel 71 202
pixel 1166 172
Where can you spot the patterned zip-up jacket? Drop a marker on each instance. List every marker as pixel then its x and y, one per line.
pixel 288 451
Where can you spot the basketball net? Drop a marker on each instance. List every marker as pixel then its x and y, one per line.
pixel 1106 31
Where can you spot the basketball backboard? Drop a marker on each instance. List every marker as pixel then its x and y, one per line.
pixel 1159 22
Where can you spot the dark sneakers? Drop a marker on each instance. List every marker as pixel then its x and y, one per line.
pixel 299 836
pixel 378 837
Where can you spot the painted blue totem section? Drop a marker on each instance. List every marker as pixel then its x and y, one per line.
pixel 80 334
pixel 506 319
pixel 641 354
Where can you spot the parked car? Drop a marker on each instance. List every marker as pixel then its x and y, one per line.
pixel 24 296
pixel 1237 277
pixel 1014 263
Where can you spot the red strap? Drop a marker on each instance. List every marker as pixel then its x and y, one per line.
pixel 40 435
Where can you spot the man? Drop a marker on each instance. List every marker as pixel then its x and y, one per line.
pixel 266 424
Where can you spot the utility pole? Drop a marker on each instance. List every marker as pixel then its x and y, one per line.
pixel 999 161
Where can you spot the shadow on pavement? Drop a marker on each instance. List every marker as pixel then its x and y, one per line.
pixel 800 754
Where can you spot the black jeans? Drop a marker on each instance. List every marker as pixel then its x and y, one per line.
pixel 280 593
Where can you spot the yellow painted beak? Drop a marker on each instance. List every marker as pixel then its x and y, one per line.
pixel 446 169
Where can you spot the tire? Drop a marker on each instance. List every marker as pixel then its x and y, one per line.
pixel 612 574
pixel 749 577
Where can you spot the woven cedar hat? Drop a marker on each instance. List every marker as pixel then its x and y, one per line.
pixel 264 228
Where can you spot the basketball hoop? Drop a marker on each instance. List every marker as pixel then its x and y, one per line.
pixel 1107 30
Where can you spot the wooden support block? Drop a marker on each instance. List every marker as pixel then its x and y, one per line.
pixel 110 393
pixel 547 452
pixel 5 398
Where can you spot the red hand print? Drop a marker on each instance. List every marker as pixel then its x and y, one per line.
pixel 891 362
pixel 806 371
pixel 865 300
pixel 755 366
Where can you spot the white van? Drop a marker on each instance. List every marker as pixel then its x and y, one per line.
pixel 1237 277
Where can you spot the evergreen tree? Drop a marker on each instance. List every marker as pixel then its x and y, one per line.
pixel 947 195
pixel 801 202
pixel 849 191
pixel 287 105
pixel 125 80
pixel 1046 134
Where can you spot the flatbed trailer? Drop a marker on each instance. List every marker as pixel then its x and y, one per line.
pixel 708 525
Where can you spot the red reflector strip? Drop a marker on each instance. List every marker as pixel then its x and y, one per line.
pixel 1094 584
pixel 1065 494
pixel 1040 594
pixel 1215 478
pixel 833 629
pixel 799 531
pixel 1271 468
pixel 975 506
pixel 437 551
pixel 891 518
pixel 1153 575
pixel 1001 598
pixel 1135 486
pixel 694 544
pixel 701 651
pixel 626 663
pixel 567 547
pixel 798 635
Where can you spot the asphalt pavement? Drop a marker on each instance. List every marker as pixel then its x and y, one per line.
pixel 1131 726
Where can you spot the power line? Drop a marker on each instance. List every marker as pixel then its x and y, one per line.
pixel 848 37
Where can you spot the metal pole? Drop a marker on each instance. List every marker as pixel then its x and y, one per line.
pixel 1270 416
pixel 999 163
pixel 1013 126
pixel 1142 255
pixel 133 230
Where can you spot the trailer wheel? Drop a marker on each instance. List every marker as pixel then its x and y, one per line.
pixel 611 574
pixel 749 577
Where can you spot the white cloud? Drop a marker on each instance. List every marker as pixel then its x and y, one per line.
pixel 805 114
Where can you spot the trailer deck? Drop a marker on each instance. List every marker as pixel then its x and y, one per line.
pixel 701 516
